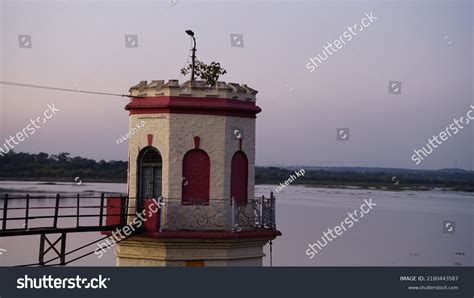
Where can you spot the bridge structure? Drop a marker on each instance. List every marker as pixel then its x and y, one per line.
pixel 57 218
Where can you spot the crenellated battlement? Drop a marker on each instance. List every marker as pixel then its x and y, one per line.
pixel 194 89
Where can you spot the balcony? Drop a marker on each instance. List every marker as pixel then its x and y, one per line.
pixel 171 218
pixel 218 215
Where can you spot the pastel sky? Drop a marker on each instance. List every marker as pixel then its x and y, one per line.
pixel 427 45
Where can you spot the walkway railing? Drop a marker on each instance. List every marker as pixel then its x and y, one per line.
pixel 29 215
pixel 38 214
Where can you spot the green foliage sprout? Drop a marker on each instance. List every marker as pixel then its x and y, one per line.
pixel 208 73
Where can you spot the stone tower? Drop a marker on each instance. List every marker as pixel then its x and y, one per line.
pixel 194 147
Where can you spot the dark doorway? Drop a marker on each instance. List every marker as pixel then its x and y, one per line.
pixel 149 175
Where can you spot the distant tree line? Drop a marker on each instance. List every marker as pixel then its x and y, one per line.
pixel 456 179
pixel 60 167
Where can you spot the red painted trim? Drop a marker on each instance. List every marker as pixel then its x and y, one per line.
pixel 196 142
pixel 153 222
pixel 149 139
pixel 113 211
pixel 213 234
pixel 193 105
pixel 128 175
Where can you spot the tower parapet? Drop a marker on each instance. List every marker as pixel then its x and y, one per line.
pixel 194 89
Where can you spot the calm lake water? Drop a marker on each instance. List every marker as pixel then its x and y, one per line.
pixel 403 229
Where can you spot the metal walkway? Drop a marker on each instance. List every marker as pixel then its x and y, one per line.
pixel 44 216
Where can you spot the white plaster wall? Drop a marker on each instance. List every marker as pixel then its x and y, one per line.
pixel 173 136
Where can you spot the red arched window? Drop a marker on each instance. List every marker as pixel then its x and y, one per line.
pixel 239 178
pixel 196 177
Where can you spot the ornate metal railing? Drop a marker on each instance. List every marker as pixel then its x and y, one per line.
pixel 218 215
